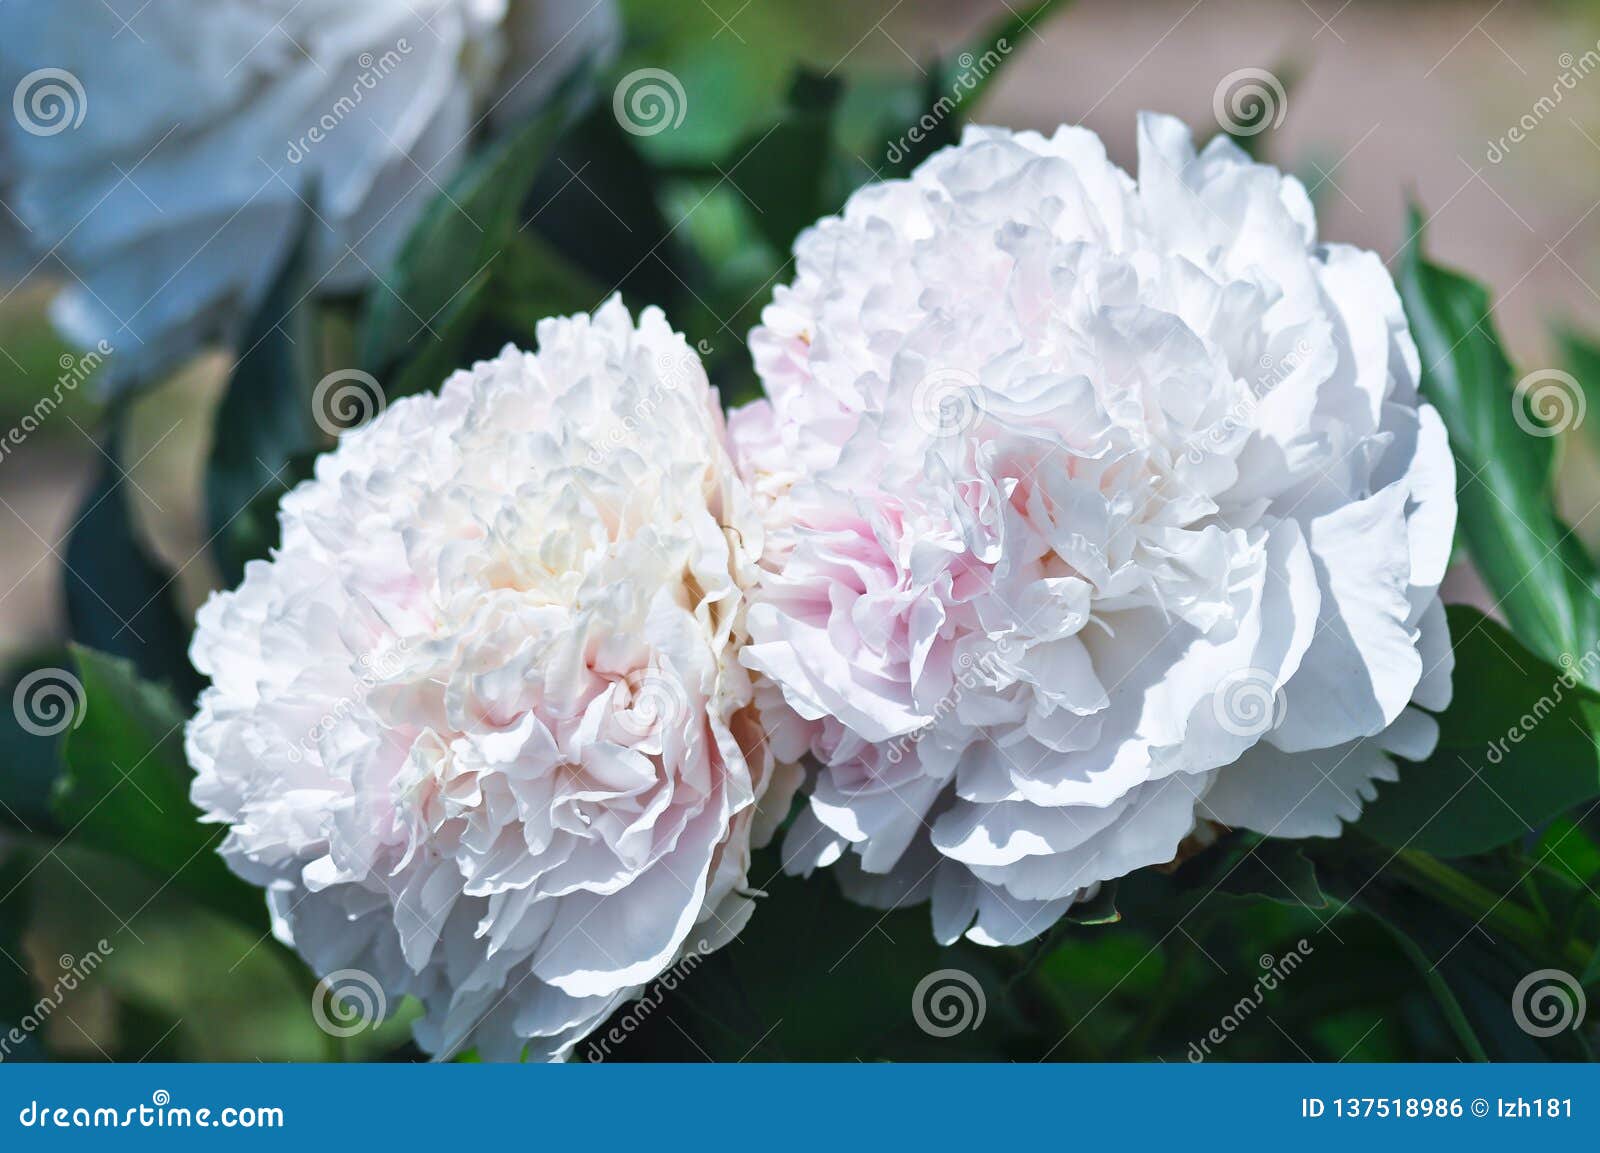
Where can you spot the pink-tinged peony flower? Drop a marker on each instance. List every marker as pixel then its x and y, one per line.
pixel 1099 510
pixel 479 727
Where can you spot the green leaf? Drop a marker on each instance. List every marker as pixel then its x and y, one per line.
pixel 1581 355
pixel 783 171
pixel 1514 751
pixel 1240 870
pixel 1444 997
pixel 264 424
pixel 1465 928
pixel 1275 870
pixel 1532 563
pixel 437 281
pixel 593 224
pixel 125 788
pixel 119 599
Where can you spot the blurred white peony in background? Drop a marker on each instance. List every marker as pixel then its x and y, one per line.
pixel 1101 511
pixel 479 727
pixel 160 157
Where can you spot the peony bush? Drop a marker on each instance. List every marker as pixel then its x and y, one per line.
pixel 691 578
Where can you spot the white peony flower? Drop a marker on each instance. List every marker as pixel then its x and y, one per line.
pixel 479 726
pixel 166 163
pixel 1100 510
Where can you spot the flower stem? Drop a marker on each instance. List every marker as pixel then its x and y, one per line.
pixel 1454 888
